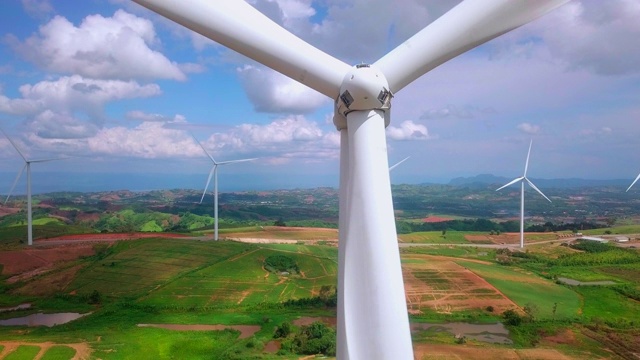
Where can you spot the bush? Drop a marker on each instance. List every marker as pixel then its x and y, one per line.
pixel 281 263
pixel 512 318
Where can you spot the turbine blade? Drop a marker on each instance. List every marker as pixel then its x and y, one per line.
pixel 47 160
pixel 526 164
pixel 205 150
pixel 208 182
pixel 536 189
pixel 235 161
pixel 242 28
pixel 634 181
pixel 14 183
pixel 469 24
pixel 14 145
pixel 510 183
pixel 398 163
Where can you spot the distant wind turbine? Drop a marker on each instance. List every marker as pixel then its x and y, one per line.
pixel 214 173
pixel 522 180
pixel 634 181
pixel 27 165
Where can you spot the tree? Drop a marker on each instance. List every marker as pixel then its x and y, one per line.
pixel 532 310
pixel 279 222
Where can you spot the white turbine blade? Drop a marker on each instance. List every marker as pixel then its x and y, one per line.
pixel 208 182
pixel 235 161
pixel 526 164
pixel 240 27
pixel 399 162
pixel 510 183
pixel 634 181
pixel 14 183
pixel 14 145
pixel 471 23
pixel 536 189
pixel 205 150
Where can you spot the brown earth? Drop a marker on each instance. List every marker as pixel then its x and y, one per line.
pixel 21 261
pixel 83 351
pixel 446 352
pixel 444 286
pixel 114 236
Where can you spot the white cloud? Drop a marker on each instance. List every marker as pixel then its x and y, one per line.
pixel 588 34
pixel 146 117
pixel 73 93
pixel 51 125
pixel 272 92
pixel 529 128
pixel 115 47
pixel 148 140
pixel 408 130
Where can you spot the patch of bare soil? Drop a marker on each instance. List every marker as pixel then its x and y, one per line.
pixel 21 261
pixel 436 219
pixel 566 336
pixel 245 330
pixel 8 211
pixel 49 284
pixel 83 351
pixel 446 352
pixel 272 346
pixel 444 286
pixel 114 236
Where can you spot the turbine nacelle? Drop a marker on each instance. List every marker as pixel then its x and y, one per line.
pixel 364 87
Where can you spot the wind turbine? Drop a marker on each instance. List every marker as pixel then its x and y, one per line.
pixel 27 165
pixel 372 311
pixel 634 181
pixel 214 173
pixel 522 180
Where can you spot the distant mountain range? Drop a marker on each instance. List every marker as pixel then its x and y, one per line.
pixel 483 180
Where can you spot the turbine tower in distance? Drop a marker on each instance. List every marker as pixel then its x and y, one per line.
pixel 214 173
pixel 634 181
pixel 372 312
pixel 522 180
pixel 27 165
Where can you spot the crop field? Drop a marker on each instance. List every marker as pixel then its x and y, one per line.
pixel 287 233
pixel 242 279
pixel 435 237
pixel 525 288
pixel 442 285
pixel 140 266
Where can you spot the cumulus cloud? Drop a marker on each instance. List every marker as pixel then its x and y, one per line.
pixel 598 36
pixel 280 141
pixel 51 125
pixel 408 130
pixel 100 47
pixel 73 93
pixel 272 92
pixel 148 140
pixel 529 128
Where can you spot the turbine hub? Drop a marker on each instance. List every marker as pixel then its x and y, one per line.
pixel 363 88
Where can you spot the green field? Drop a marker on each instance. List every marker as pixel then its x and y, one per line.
pixel 524 288
pixel 436 237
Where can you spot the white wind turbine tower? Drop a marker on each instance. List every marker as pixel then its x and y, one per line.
pixel 27 165
pixel 214 173
pixel 522 180
pixel 372 311
pixel 634 181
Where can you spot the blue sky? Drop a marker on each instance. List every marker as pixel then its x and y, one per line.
pixel 120 89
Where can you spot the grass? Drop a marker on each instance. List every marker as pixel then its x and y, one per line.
pixel 606 304
pixel 524 288
pixel 436 237
pixel 59 352
pixel 23 352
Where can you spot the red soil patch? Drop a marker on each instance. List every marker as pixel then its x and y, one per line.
pixel 21 261
pixel 435 219
pixel 306 321
pixel 444 286
pixel 437 351
pixel 8 211
pixel 272 347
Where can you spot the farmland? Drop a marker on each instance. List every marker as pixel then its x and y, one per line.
pixel 150 280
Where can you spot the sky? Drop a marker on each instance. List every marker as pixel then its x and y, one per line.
pixel 118 90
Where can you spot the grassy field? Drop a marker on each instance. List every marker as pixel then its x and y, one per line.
pixel 524 288
pixel 436 237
